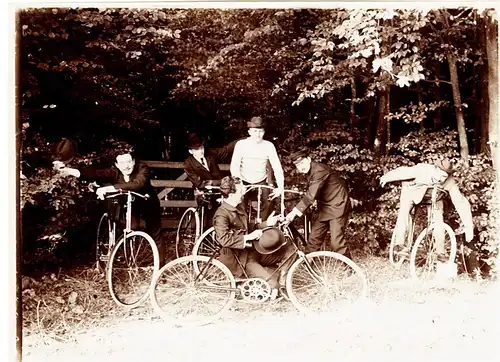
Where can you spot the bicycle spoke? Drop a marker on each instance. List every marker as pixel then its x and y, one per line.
pixel 178 294
pixel 323 281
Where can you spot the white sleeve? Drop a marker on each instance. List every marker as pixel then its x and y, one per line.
pixel 276 165
pixel 235 166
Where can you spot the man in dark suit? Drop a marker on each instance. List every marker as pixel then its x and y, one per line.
pixel 330 192
pixel 202 169
pixel 126 175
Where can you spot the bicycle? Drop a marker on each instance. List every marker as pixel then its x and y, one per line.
pixel 192 222
pixel 131 262
pixel 198 289
pixel 206 244
pixel 423 256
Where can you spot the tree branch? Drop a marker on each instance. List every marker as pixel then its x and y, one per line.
pixel 436 81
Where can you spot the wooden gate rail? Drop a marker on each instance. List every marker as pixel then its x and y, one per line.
pixel 168 186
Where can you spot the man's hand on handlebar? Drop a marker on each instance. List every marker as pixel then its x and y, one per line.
pixel 101 191
pixel 292 214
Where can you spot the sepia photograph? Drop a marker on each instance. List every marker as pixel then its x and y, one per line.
pixel 272 181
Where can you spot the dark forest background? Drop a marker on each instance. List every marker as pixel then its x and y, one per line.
pixel 367 90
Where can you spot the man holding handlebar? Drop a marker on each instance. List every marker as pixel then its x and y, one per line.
pixel 126 175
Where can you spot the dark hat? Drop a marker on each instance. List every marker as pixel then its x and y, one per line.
pixel 65 150
pixel 271 240
pixel 194 141
pixel 296 156
pixel 445 165
pixel 255 122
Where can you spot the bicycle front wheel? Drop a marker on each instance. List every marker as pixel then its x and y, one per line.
pixel 323 280
pixel 425 256
pixel 187 232
pixel 183 295
pixel 132 266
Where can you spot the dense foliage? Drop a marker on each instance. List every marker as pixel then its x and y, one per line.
pixel 364 88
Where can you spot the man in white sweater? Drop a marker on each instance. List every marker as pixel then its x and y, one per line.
pixel 249 163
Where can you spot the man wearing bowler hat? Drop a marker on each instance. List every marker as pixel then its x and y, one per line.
pixel 256 246
pixel 417 182
pixel 330 192
pixel 250 163
pixel 202 169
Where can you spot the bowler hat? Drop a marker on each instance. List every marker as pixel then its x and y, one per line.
pixel 296 156
pixel 255 122
pixel 445 165
pixel 271 240
pixel 194 141
pixel 65 150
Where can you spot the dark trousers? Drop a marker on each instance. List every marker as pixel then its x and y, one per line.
pixel 209 208
pixel 337 228
pixel 266 205
pixel 150 212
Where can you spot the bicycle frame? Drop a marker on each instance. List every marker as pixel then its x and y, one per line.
pixel 292 233
pixel 128 216
pixel 431 209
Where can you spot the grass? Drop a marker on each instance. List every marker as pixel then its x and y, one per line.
pixel 60 308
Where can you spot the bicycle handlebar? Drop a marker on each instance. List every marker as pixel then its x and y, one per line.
pixel 249 188
pixel 211 187
pixel 120 192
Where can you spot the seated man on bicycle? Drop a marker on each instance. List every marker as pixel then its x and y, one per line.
pixel 330 192
pixel 250 163
pixel 127 175
pixel 416 186
pixel 242 248
pixel 202 169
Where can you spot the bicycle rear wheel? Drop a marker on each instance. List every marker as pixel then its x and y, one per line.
pixel 187 232
pixel 325 281
pixel 182 295
pixel 424 256
pixel 132 266
pixel 104 235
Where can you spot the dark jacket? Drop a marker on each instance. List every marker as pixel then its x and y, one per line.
pixel 231 224
pixel 198 175
pixel 139 180
pixel 328 189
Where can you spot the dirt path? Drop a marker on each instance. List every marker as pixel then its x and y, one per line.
pixel 399 320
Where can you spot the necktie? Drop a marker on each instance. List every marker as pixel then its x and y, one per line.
pixel 204 162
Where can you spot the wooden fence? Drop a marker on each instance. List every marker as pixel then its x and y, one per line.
pixel 166 186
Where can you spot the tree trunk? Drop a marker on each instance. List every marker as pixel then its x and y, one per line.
pixel 387 111
pixel 383 100
pixel 492 53
pixel 419 99
pixel 462 134
pixel 482 108
pixel 352 113
pixel 438 119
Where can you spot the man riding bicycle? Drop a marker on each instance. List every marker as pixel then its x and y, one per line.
pixel 417 182
pixel 126 175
